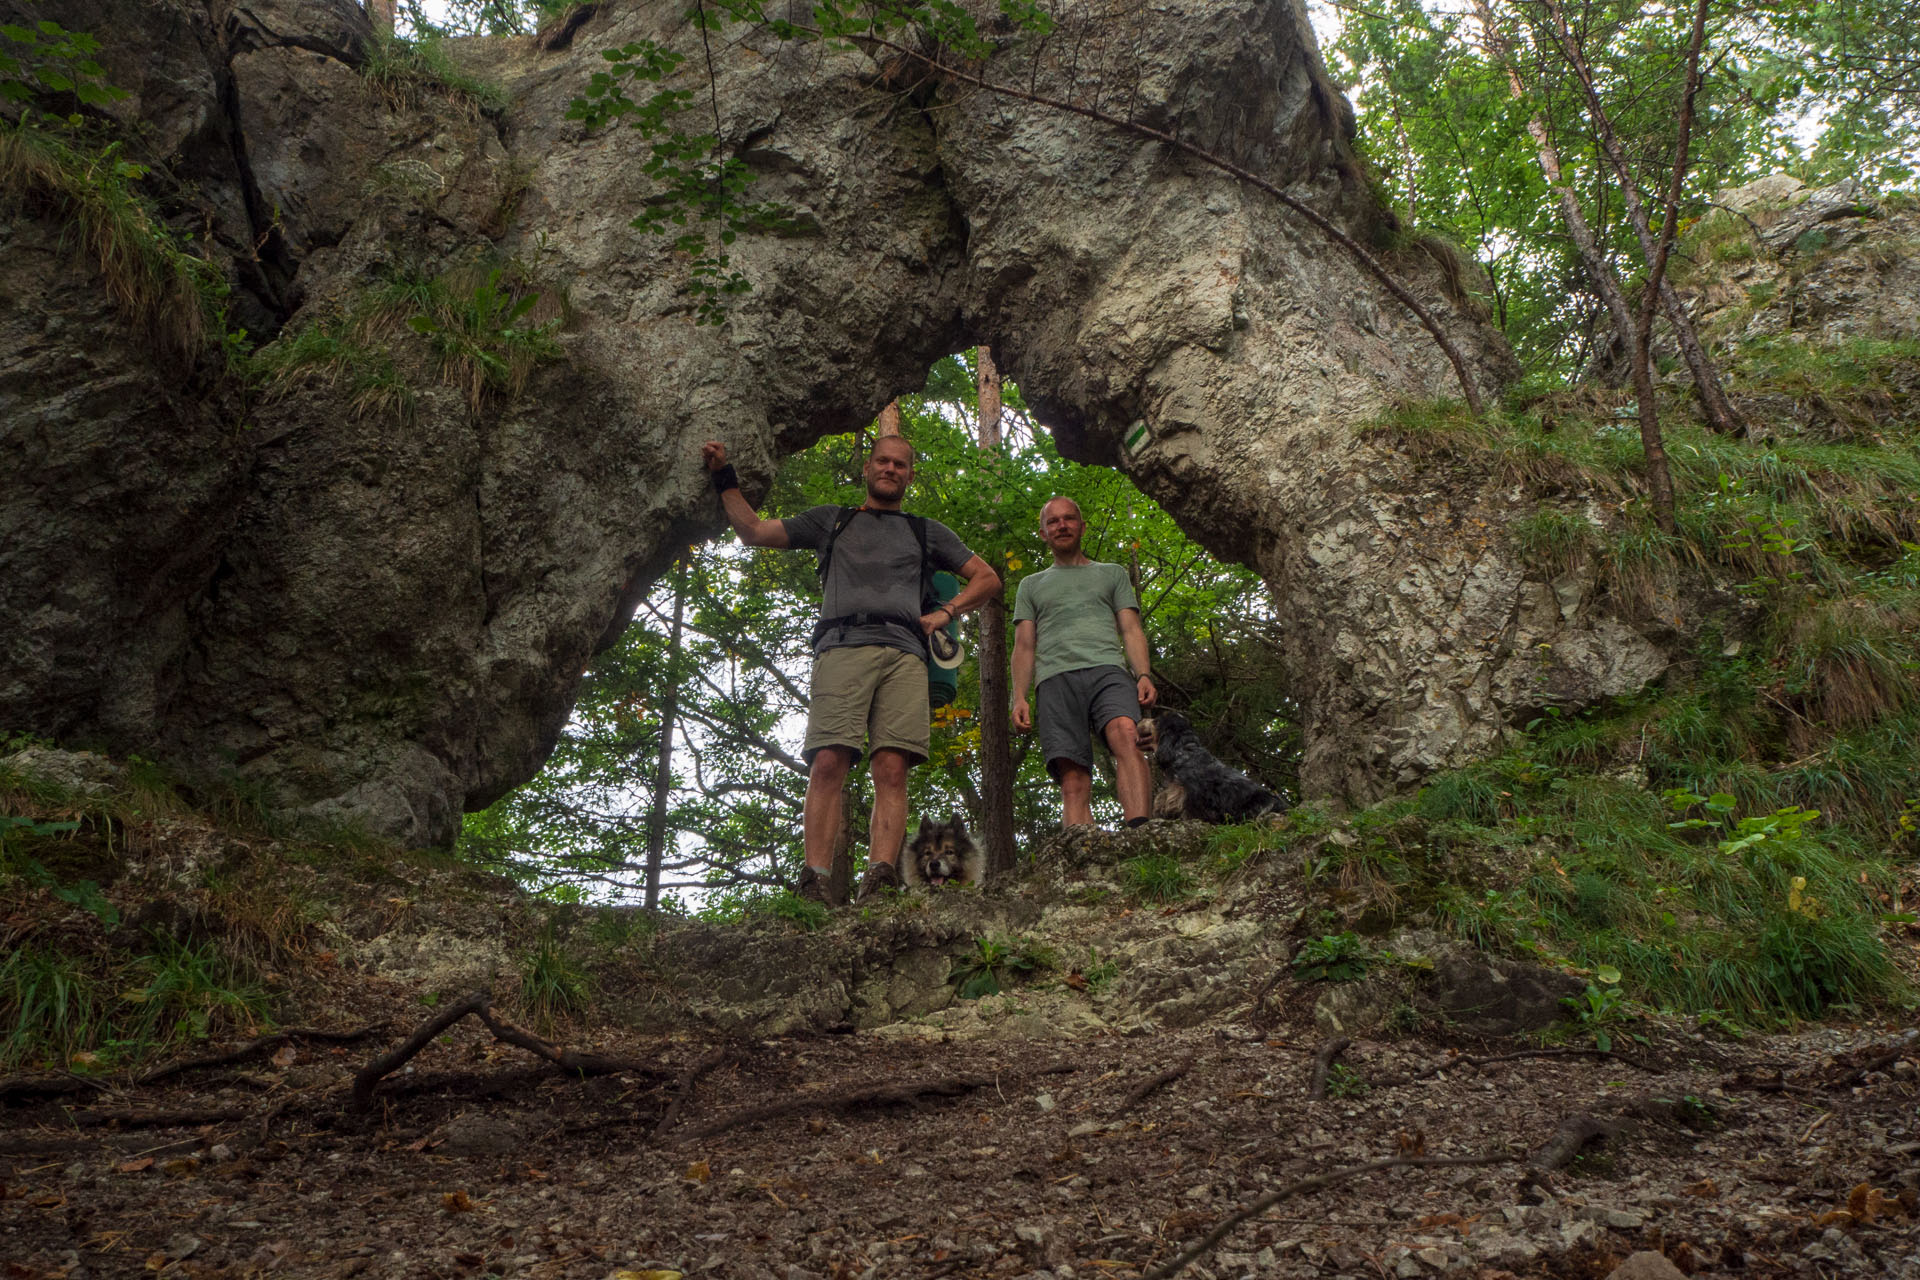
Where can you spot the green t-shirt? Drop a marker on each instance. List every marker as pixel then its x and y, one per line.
pixel 1074 609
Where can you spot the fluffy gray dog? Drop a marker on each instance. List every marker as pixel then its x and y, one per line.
pixel 1214 792
pixel 940 854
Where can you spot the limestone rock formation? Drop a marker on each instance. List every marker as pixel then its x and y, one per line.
pixel 384 615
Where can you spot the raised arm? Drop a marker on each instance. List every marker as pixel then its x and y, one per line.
pixel 1133 637
pixel 1023 642
pixel 746 522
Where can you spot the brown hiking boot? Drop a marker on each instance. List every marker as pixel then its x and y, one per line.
pixel 814 888
pixel 880 877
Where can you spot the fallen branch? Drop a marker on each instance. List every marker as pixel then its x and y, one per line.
pixel 1323 1060
pixel 1318 1181
pixel 860 1096
pixel 1567 1142
pixel 387 1063
pixel 1880 1061
pixel 578 1061
pixel 683 1087
pixel 253 1048
pixel 1147 1086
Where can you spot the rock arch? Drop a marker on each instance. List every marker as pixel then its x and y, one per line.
pixel 387 619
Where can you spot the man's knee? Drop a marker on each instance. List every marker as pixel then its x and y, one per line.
pixel 1072 777
pixel 889 768
pixel 1123 736
pixel 830 766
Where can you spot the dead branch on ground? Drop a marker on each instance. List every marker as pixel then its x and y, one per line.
pixel 1323 1059
pixel 254 1048
pixel 683 1087
pixel 480 1005
pixel 1567 1142
pixel 1147 1086
pixel 423 1035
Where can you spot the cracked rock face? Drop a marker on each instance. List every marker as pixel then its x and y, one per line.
pixel 386 619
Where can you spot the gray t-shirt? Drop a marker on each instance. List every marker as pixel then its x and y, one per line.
pixel 1073 610
pixel 875 569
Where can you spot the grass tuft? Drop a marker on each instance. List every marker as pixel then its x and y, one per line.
pixel 160 288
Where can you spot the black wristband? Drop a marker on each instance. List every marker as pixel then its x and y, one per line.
pixel 725 478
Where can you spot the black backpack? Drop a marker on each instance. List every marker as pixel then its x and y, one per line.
pixel 932 596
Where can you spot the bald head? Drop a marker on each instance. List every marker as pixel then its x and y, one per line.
pixel 1059 504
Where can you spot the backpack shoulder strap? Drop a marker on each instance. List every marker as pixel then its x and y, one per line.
pixel 919 525
pixel 840 522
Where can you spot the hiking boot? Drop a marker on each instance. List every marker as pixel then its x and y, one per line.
pixel 880 877
pixel 813 887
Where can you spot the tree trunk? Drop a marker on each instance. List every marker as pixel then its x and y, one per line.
pixel 663 769
pixel 1659 479
pixel 840 877
pixel 381 14
pixel 1706 379
pixel 889 424
pixel 996 728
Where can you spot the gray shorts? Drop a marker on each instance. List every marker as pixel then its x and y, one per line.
pixel 1075 704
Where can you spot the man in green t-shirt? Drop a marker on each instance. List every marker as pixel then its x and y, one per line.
pixel 1079 624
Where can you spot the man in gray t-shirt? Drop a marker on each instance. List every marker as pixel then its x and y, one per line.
pixel 869 685
pixel 1077 626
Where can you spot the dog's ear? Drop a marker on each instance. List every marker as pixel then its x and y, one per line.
pixel 958 822
pixel 926 824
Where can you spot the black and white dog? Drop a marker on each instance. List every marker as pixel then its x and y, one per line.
pixel 940 854
pixel 1214 792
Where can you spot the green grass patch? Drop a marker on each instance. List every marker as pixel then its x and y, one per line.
pixel 553 984
pixel 407 71
pixel 482 327
pixel 1156 877
pixel 175 298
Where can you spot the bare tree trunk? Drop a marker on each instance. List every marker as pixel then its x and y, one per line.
pixel 663 769
pixel 381 13
pixel 996 699
pixel 840 876
pixel 889 424
pixel 1659 479
pixel 1721 415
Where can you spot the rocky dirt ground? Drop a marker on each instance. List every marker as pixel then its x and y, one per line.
pixel 862 1154
pixel 765 1100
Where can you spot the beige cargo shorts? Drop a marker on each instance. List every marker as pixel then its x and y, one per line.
pixel 868 697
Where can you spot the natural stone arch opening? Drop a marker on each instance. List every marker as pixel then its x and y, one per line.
pixel 730 819
pixel 387 621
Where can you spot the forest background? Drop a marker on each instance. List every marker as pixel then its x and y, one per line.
pixel 1542 140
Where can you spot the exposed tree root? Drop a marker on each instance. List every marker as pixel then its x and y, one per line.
pixel 480 1005
pixel 1151 1083
pixel 866 1095
pixel 1567 1142
pixel 1201 1247
pixel 1879 1060
pixel 423 1035
pixel 254 1048
pixel 1323 1059
pixel 683 1087
pixel 36 1088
